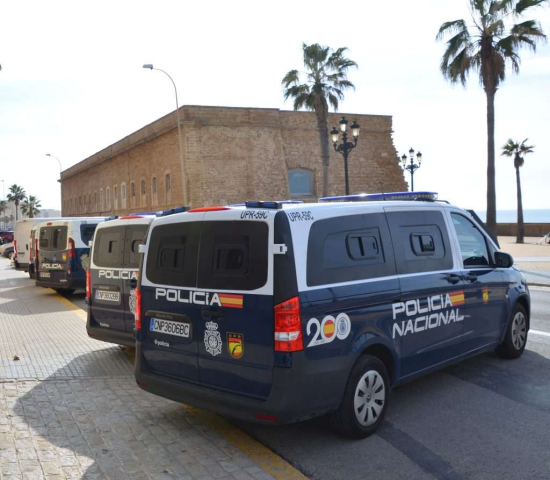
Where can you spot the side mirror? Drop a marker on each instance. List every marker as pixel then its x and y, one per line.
pixel 91 243
pixel 142 248
pixel 503 260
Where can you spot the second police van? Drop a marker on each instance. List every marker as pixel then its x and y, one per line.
pixel 276 312
pixel 64 253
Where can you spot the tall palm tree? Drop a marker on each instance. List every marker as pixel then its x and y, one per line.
pixel 3 207
pixel 486 44
pixel 518 150
pixel 17 195
pixel 325 81
pixel 30 206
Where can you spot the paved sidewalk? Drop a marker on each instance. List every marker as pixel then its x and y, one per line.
pixel 532 258
pixel 69 407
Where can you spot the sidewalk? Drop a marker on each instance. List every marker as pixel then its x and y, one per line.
pixel 70 408
pixel 531 258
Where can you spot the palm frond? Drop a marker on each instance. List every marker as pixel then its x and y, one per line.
pixel 523 5
pixel 448 28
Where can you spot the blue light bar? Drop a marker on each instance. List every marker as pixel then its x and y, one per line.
pixel 171 211
pixel 274 205
pixel 380 197
pixel 114 217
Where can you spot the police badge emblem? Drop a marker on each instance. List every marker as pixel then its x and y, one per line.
pixel 212 339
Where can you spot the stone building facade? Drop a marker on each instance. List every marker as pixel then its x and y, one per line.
pixel 230 155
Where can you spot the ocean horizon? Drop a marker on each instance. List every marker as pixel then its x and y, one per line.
pixel 511 216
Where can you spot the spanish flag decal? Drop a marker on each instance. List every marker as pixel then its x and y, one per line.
pixel 457 298
pixel 231 301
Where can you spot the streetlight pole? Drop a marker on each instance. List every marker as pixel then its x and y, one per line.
pixel 345 147
pixel 60 182
pixel 411 166
pixel 183 176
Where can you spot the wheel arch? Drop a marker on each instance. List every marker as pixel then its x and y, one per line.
pixel 381 348
pixel 523 300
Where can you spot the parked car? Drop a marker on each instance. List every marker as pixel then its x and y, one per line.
pixel 275 312
pixel 6 237
pixel 6 250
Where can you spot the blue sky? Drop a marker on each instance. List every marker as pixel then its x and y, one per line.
pixel 72 82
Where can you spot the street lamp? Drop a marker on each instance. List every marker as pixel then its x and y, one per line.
pixel 184 183
pixel 345 147
pixel 60 182
pixel 411 166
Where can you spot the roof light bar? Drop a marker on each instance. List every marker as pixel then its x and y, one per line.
pixel 380 197
pixel 274 204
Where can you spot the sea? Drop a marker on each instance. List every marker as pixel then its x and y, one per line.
pixel 511 216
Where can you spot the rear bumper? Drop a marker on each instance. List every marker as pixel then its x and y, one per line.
pixel 108 335
pixel 76 284
pixel 295 394
pixel 21 266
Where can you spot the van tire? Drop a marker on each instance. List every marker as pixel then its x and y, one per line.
pixel 515 339
pixel 64 291
pixel 367 372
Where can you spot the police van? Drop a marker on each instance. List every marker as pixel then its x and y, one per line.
pixel 112 278
pixel 63 253
pixel 22 244
pixel 276 312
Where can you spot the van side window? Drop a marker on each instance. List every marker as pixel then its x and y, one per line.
pixel 173 254
pixel 87 233
pixel 108 247
pixel 473 246
pixel 421 242
pixel 349 248
pixel 233 255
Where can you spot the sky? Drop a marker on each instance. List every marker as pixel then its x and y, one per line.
pixel 72 82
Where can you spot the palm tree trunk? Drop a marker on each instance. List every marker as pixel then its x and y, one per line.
pixel 491 190
pixel 521 229
pixel 322 125
pixel 16 211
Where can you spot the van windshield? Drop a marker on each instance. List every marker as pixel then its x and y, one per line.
pixel 233 255
pixel 53 238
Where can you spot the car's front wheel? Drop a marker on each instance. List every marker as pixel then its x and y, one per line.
pixel 365 399
pixel 516 334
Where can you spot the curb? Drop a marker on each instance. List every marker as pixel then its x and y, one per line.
pixel 257 452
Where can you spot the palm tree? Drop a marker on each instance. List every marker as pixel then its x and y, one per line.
pixel 486 47
pixel 17 195
pixel 325 81
pixel 30 206
pixel 517 150
pixel 3 207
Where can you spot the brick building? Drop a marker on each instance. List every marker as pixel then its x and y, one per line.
pixel 230 155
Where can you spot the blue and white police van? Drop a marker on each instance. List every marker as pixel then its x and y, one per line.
pixel 64 253
pixel 277 312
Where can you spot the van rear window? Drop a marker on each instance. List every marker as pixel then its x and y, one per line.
pixel 233 255
pixel 108 245
pixel 53 238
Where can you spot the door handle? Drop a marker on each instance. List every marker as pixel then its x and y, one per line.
pixel 452 278
pixel 207 313
pixel 471 277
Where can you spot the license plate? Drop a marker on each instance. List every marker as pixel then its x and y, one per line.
pixel 107 296
pixel 170 328
pixel 45 274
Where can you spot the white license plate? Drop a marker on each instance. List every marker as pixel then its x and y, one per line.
pixel 170 328
pixel 107 296
pixel 45 274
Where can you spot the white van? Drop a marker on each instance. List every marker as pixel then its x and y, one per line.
pixel 64 253
pixel 21 237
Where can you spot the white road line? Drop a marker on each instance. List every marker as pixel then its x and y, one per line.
pixel 538 332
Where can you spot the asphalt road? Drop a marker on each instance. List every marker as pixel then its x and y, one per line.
pixel 485 418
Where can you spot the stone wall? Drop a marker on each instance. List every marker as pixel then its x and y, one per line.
pixel 230 155
pixel 531 229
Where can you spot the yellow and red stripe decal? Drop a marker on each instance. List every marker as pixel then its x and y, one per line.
pixel 457 298
pixel 230 300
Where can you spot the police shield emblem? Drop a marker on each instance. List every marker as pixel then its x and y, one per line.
pixel 235 345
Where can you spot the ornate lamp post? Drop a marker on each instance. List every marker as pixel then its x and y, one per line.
pixel 345 147
pixel 411 166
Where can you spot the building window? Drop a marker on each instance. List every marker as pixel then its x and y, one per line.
pixel 101 204
pixel 108 195
pixel 132 189
pixel 115 197
pixel 143 193
pixel 300 182
pixel 167 188
pixel 123 195
pixel 154 191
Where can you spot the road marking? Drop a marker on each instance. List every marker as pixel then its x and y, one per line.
pixel 70 305
pixel 257 452
pixel 538 332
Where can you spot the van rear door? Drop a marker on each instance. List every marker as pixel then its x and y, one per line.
pixel 236 328
pixel 107 295
pixel 54 262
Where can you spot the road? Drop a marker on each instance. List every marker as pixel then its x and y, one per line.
pixel 485 418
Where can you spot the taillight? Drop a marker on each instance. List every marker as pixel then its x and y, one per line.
pixel 288 326
pixel 15 249
pixel 72 249
pixel 137 313
pixel 36 249
pixel 88 285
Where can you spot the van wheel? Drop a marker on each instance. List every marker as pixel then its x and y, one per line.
pixel 65 291
pixel 365 399
pixel 516 334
